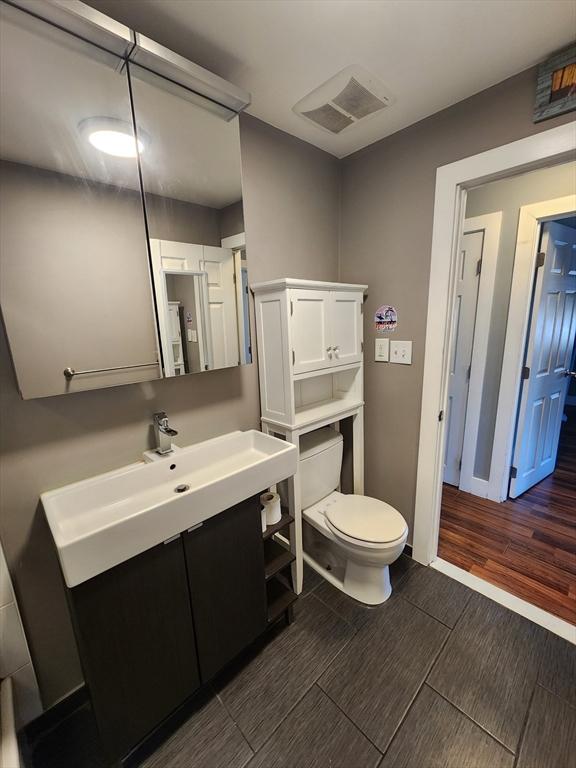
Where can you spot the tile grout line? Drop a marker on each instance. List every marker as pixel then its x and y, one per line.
pixel 355 725
pixel 300 698
pixel 482 728
pixel 240 731
pixel 557 695
pixel 420 608
pixel 471 719
pixel 524 725
pixel 413 699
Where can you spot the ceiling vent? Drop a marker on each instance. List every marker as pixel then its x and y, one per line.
pixel 348 97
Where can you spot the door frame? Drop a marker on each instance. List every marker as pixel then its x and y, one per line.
pixel 547 148
pixel 491 225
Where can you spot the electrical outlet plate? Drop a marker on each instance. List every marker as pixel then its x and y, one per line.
pixel 382 350
pixel 401 352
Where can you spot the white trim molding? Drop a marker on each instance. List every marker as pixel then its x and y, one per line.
pixel 537 615
pixel 543 149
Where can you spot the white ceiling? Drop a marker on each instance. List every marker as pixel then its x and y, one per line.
pixel 48 89
pixel 428 53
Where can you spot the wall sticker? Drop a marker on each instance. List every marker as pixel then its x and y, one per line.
pixel 385 318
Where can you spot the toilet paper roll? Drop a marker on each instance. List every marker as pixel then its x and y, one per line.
pixel 271 503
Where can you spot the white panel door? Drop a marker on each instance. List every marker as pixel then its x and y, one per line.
pixel 218 263
pixel 548 357
pixel 346 326
pixel 310 330
pixel 464 320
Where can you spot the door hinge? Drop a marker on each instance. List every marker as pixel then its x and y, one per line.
pixel 460 465
pixel 468 372
pixel 361 308
pixel 234 278
pixel 441 416
pixel 293 358
pixel 525 372
pixel 513 472
pixel 540 259
pixel 291 307
pixel 361 346
pixel 479 266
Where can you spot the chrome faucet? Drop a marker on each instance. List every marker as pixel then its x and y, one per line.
pixel 163 432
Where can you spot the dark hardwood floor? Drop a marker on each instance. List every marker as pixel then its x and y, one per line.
pixel 525 545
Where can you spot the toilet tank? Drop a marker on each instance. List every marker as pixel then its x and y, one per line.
pixel 320 464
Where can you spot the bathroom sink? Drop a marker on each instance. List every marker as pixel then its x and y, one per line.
pixel 105 520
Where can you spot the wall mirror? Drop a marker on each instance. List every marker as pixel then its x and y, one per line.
pixel 75 287
pixel 122 250
pixel 192 183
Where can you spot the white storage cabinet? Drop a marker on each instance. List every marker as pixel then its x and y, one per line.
pixel 310 364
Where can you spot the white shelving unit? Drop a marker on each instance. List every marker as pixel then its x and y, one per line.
pixel 310 364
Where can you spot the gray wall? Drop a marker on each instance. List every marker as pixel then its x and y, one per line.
pixel 386 236
pixel 291 195
pixel 170 219
pixel 508 196
pixel 231 219
pixel 181 288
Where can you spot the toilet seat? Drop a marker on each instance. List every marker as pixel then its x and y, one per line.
pixel 365 521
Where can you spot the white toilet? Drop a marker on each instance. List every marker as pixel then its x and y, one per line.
pixel 350 539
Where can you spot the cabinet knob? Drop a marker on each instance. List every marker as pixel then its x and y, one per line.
pixel 336 350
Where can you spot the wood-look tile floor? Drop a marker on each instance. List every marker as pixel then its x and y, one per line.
pixel 526 545
pixel 437 677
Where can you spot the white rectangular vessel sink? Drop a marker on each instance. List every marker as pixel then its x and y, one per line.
pixel 105 520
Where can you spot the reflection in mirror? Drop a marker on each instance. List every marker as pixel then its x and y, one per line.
pixel 75 287
pixel 193 195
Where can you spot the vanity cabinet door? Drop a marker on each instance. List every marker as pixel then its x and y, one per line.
pixel 136 642
pixel 225 560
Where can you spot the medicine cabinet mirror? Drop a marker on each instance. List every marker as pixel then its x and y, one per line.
pixel 122 252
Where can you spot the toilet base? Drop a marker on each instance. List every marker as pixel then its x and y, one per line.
pixel 367 584
pixel 370 585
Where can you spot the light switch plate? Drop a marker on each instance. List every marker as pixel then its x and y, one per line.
pixel 382 350
pixel 401 352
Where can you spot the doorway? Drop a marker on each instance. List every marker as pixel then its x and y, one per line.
pixel 527 544
pixel 454 184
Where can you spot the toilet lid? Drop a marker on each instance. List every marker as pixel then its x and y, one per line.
pixel 366 519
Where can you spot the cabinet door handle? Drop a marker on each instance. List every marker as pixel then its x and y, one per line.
pixel 171 539
pixel 194 527
pixel 329 350
pixel 336 350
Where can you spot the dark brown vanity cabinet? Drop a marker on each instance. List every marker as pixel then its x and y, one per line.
pixel 136 641
pixel 151 630
pixel 225 559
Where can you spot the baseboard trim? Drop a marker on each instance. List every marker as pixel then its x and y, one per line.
pixel 55 714
pixel 544 619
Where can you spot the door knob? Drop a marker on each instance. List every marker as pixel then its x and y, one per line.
pixel 572 374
